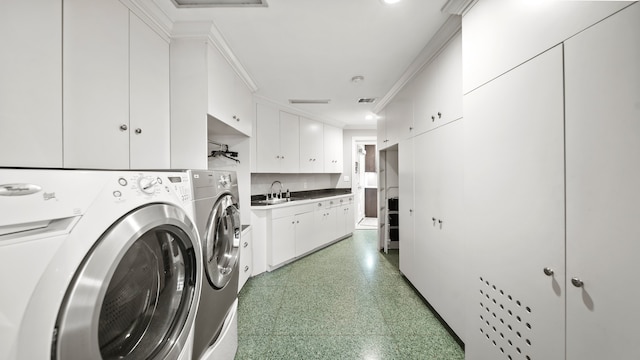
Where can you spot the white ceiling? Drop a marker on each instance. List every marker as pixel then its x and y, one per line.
pixel 310 49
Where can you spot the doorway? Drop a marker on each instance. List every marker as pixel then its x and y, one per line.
pixel 365 184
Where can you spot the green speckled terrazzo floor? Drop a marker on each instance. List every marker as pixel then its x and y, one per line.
pixel 347 301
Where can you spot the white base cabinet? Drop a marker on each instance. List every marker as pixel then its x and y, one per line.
pixel 295 230
pixel 246 258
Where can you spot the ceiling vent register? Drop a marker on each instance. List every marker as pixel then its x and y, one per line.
pixel 366 100
pixel 218 3
pixel 309 101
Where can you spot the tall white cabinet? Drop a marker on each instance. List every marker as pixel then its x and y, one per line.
pixel 514 212
pixel 602 82
pixel 277 140
pixel 550 199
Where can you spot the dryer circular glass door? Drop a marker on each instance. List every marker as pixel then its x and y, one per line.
pixel 222 241
pixel 134 294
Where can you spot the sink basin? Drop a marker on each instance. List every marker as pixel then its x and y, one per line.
pixel 269 201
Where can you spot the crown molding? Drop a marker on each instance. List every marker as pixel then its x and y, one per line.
pixel 441 38
pixel 457 7
pixel 208 31
pixel 152 15
pixel 221 44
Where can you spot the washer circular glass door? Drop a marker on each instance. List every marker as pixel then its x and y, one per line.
pixel 134 293
pixel 222 241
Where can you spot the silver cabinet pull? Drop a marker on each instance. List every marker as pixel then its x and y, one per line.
pixel 246 268
pixel 245 244
pixel 577 282
pixel 548 271
pixel 123 127
pixel 138 131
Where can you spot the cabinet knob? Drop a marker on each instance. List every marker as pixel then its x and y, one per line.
pixel 138 131
pixel 298 222
pixel 246 268
pixel 236 118
pixel 310 159
pixel 282 157
pixel 577 282
pixel 411 211
pixel 410 128
pixel 245 244
pixel 277 156
pixel 548 271
pixel 123 127
pixel 433 118
pixel 439 115
pixel 434 221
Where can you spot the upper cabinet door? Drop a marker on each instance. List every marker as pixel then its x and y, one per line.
pixel 267 139
pixel 602 74
pixel 31 83
pixel 149 107
pixel 289 141
pixel 311 146
pixel 333 149
pixel 514 213
pixel 96 84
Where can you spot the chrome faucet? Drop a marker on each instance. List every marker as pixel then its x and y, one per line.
pixel 279 191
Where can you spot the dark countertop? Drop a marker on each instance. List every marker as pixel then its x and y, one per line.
pixel 305 195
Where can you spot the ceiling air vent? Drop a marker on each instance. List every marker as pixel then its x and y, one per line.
pixel 217 3
pixel 366 100
pixel 309 101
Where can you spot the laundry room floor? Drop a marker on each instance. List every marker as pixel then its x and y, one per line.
pixel 347 301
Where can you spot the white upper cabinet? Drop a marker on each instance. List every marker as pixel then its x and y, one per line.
pixel 116 89
pixel 229 99
pixel 500 35
pixel 311 146
pixel 277 140
pixel 333 149
pixel 96 84
pixel 400 116
pixel 381 126
pixel 31 83
pixel 149 98
pixel 438 89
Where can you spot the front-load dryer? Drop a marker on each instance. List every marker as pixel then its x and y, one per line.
pixel 218 223
pixel 97 265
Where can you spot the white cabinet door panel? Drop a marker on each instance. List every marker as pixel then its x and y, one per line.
pixel 514 212
pixel 267 139
pixel 405 209
pixel 311 146
pixel 332 149
pixel 31 83
pixel 289 143
pixel 603 174
pixel 283 240
pixel 149 108
pixel 96 84
pixel 500 35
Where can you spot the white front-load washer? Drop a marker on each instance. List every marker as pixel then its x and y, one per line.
pixel 97 265
pixel 217 215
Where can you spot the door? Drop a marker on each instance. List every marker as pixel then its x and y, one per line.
pixel 135 292
pixel 359 175
pixel 514 213
pixel 221 242
pixel 602 77
pixel 405 208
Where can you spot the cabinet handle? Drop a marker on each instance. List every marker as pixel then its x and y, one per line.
pixel 246 268
pixel 310 159
pixel 319 204
pixel 410 128
pixel 277 156
pixel 433 118
pixel 439 115
pixel 138 131
pixel 245 244
pixel 434 221
pixel 297 222
pixel 282 157
pixel 548 271
pixel 410 211
pixel 577 282
pixel 293 222
pixel 123 127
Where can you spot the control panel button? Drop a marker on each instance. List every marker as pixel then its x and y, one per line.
pixel 122 182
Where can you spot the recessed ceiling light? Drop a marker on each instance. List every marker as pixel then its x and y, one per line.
pixel 390 2
pixel 369 117
pixel 357 79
